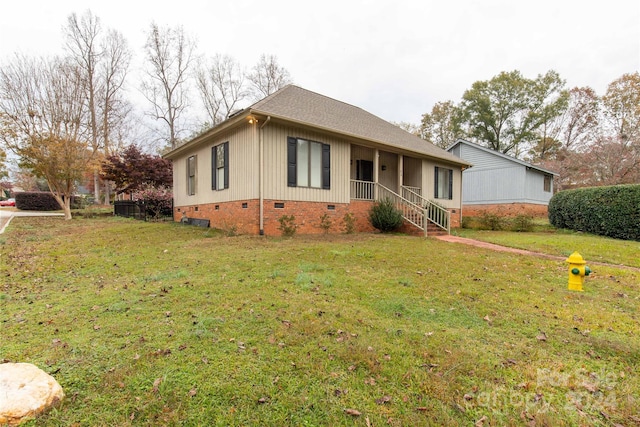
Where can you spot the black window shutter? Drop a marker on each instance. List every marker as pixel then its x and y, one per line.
pixel 450 184
pixel 435 187
pixel 214 171
pixel 291 161
pixel 326 166
pixel 226 164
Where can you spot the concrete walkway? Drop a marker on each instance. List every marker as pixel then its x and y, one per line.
pixel 7 215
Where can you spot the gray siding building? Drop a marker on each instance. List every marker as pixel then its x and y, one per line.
pixel 497 178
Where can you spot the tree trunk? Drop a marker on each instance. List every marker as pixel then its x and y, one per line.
pixel 67 208
pixel 96 188
pixel 107 198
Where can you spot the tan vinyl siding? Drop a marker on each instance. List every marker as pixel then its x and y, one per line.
pixel 275 166
pixel 412 172
pixel 428 182
pixel 389 176
pixel 243 169
pixel 359 152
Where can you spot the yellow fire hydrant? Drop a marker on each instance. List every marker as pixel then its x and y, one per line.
pixel 577 271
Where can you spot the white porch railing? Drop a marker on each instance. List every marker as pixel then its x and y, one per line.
pixel 415 209
pixel 362 190
pixel 434 212
pixel 411 213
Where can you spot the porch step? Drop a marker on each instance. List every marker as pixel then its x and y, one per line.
pixel 432 230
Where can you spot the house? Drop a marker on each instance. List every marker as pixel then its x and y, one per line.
pixel 502 184
pixel 298 153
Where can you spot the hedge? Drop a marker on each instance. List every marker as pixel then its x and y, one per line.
pixel 36 201
pixel 606 211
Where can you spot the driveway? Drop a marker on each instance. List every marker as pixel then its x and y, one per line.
pixel 6 215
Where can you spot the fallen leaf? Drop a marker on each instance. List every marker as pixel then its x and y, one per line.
pixel 136 357
pixel 383 399
pixel 542 337
pixel 96 327
pixel 481 421
pixel 353 412
pixel 156 384
pixel 468 397
pixel 192 392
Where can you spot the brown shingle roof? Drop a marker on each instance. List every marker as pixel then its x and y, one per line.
pixel 303 106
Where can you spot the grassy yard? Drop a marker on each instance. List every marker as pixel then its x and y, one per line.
pixel 563 243
pixel 162 324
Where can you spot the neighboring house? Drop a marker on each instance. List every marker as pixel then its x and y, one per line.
pixel 499 183
pixel 298 153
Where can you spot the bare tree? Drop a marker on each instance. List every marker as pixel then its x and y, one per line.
pixel 45 105
pixel 221 85
pixel 169 55
pixel 104 62
pixel 621 106
pixel 267 76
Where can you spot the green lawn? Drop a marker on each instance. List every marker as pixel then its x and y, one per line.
pixel 162 324
pixel 564 243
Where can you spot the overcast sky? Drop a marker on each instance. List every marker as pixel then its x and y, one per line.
pixel 395 59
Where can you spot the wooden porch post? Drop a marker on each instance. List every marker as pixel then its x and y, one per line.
pixel 376 168
pixel 400 174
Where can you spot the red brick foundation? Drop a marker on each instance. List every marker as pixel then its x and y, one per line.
pixel 243 217
pixel 506 210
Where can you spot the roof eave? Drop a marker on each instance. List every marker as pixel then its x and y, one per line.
pixel 450 159
pixel 197 140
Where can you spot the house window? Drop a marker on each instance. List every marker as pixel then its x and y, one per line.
pixel 443 184
pixel 547 184
pixel 308 163
pixel 220 166
pixel 191 175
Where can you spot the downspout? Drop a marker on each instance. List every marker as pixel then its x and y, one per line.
pixel 261 174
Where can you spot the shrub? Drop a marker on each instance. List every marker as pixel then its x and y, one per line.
pixel 325 223
pixel 522 223
pixel 607 211
pixel 489 221
pixel 158 201
pixel 36 201
pixel 349 223
pixel 287 225
pixel 385 216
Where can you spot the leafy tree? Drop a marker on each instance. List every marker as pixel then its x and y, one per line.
pixel 131 170
pixel 169 56
pixel 44 105
pixel 267 77
pixel 507 111
pixel 441 127
pixel 220 82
